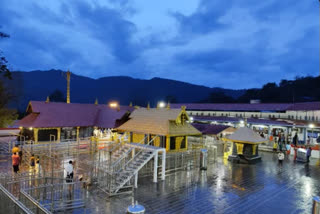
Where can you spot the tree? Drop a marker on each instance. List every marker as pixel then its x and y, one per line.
pixel 218 97
pixel 7 116
pixel 3 62
pixel 57 96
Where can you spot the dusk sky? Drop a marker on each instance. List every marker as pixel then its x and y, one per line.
pixel 230 44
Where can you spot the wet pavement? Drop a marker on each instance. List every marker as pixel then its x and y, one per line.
pixel 224 188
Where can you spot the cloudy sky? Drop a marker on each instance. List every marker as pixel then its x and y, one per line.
pixel 217 43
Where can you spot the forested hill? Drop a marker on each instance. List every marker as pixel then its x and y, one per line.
pixel 37 85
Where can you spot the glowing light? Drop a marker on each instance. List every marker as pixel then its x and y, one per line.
pixel 113 104
pixel 20 127
pixel 311 126
pixel 191 118
pixel 30 128
pixel 162 104
pixel 241 122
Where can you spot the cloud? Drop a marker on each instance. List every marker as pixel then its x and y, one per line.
pixel 231 44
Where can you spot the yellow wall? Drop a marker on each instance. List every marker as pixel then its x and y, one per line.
pixel 137 138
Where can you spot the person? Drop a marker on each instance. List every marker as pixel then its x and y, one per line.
pixel 32 160
pixel 275 146
pixel 38 168
pixel 280 145
pixel 295 153
pixel 295 139
pixel 69 174
pixel 280 157
pixel 15 162
pixel 15 149
pixel 309 154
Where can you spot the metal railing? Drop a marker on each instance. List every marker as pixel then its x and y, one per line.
pixel 10 205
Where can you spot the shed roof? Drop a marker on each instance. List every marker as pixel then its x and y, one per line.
pixel 210 129
pixel 159 122
pixel 55 114
pixel 249 106
pixel 246 135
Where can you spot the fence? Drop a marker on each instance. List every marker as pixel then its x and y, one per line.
pixel 10 205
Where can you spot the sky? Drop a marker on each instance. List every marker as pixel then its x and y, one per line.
pixel 231 44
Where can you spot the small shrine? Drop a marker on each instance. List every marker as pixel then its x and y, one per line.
pixel 245 144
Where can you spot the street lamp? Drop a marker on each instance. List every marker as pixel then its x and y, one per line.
pixel 113 104
pixel 161 104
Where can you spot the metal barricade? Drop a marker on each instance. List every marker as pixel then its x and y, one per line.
pixel 10 205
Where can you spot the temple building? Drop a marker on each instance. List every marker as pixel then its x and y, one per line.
pixel 169 128
pixel 55 121
pixel 245 144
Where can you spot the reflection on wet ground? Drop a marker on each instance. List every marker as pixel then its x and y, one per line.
pixel 224 188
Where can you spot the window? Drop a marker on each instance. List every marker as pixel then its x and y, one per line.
pixel 172 143
pixel 201 113
pixel 190 113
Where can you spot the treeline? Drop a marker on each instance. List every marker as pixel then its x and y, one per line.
pixel 302 89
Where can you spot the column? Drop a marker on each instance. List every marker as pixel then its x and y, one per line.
pixel 167 142
pixel 305 135
pixel 35 135
pixel 136 180
pixel 58 134
pixel 78 128
pixel 163 173
pixel 155 168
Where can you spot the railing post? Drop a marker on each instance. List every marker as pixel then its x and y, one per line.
pixel 163 174
pixel 155 168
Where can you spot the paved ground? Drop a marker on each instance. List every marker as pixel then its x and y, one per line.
pixel 224 188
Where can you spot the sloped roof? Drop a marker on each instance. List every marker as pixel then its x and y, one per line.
pixel 246 135
pixel 157 121
pixel 210 129
pixel 55 114
pixel 249 106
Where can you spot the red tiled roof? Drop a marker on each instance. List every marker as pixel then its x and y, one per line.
pixel 54 114
pixel 249 107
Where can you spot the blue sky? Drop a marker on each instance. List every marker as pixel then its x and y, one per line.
pixel 230 44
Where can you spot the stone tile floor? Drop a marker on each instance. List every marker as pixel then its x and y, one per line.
pixel 224 188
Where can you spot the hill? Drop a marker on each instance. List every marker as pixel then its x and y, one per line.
pixel 37 85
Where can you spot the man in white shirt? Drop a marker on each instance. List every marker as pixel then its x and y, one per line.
pixel 280 157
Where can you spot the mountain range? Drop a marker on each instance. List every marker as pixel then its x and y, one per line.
pixel 37 85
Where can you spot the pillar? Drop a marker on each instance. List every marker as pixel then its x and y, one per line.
pixel 136 180
pixel 35 135
pixel 163 172
pixel 78 128
pixel 155 168
pixel 167 142
pixel 58 134
pixel 269 131
pixel 305 135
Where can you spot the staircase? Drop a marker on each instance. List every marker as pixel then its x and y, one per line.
pixel 124 175
pixel 127 160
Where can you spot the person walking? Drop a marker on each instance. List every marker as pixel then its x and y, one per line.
pixel 69 174
pixel 280 158
pixel 275 146
pixel 295 139
pixel 15 162
pixel 309 154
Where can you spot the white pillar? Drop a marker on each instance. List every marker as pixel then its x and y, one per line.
pixel 136 180
pixel 163 174
pixel 305 135
pixel 155 168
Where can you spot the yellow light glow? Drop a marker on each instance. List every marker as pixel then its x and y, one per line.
pixel 30 128
pixel 20 127
pixel 311 126
pixel 113 104
pixel 162 104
